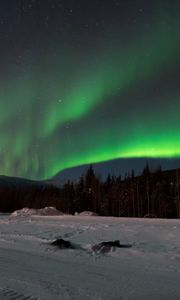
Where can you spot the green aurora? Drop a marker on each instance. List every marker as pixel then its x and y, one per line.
pixel 109 99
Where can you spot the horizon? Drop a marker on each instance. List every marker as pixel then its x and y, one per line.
pixel 117 167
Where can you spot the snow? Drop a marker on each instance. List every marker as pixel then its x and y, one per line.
pixel 46 211
pixel 87 213
pixel 30 268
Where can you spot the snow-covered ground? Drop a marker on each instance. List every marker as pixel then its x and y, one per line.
pixel 32 269
pixel 46 211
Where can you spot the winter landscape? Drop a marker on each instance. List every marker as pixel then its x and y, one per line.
pixel 31 268
pixel 89 150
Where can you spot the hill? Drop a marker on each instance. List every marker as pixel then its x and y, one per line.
pixel 116 167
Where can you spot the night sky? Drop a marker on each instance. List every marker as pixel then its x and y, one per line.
pixel 85 81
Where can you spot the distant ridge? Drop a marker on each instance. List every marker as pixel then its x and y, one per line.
pixel 116 167
pixel 18 181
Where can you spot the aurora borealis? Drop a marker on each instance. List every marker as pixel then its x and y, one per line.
pixel 87 81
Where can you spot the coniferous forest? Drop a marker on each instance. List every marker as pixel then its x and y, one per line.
pixel 151 194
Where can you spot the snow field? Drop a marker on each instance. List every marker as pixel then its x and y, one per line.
pixel 30 268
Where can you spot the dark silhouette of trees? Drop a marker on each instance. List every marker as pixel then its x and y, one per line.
pixel 152 194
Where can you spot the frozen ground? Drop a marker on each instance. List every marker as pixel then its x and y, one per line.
pixel 31 269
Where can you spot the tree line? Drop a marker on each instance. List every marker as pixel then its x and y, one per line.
pixel 151 194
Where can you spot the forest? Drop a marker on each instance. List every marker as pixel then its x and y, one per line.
pixel 150 194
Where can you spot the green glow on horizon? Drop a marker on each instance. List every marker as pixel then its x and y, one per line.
pixel 165 148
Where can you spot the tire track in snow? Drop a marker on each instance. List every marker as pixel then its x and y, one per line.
pixel 9 294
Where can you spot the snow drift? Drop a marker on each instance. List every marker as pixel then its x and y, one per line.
pixel 87 213
pixel 46 211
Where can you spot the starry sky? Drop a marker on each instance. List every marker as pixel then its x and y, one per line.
pixel 85 81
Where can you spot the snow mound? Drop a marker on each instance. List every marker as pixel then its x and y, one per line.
pixel 46 211
pixel 24 212
pixel 87 213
